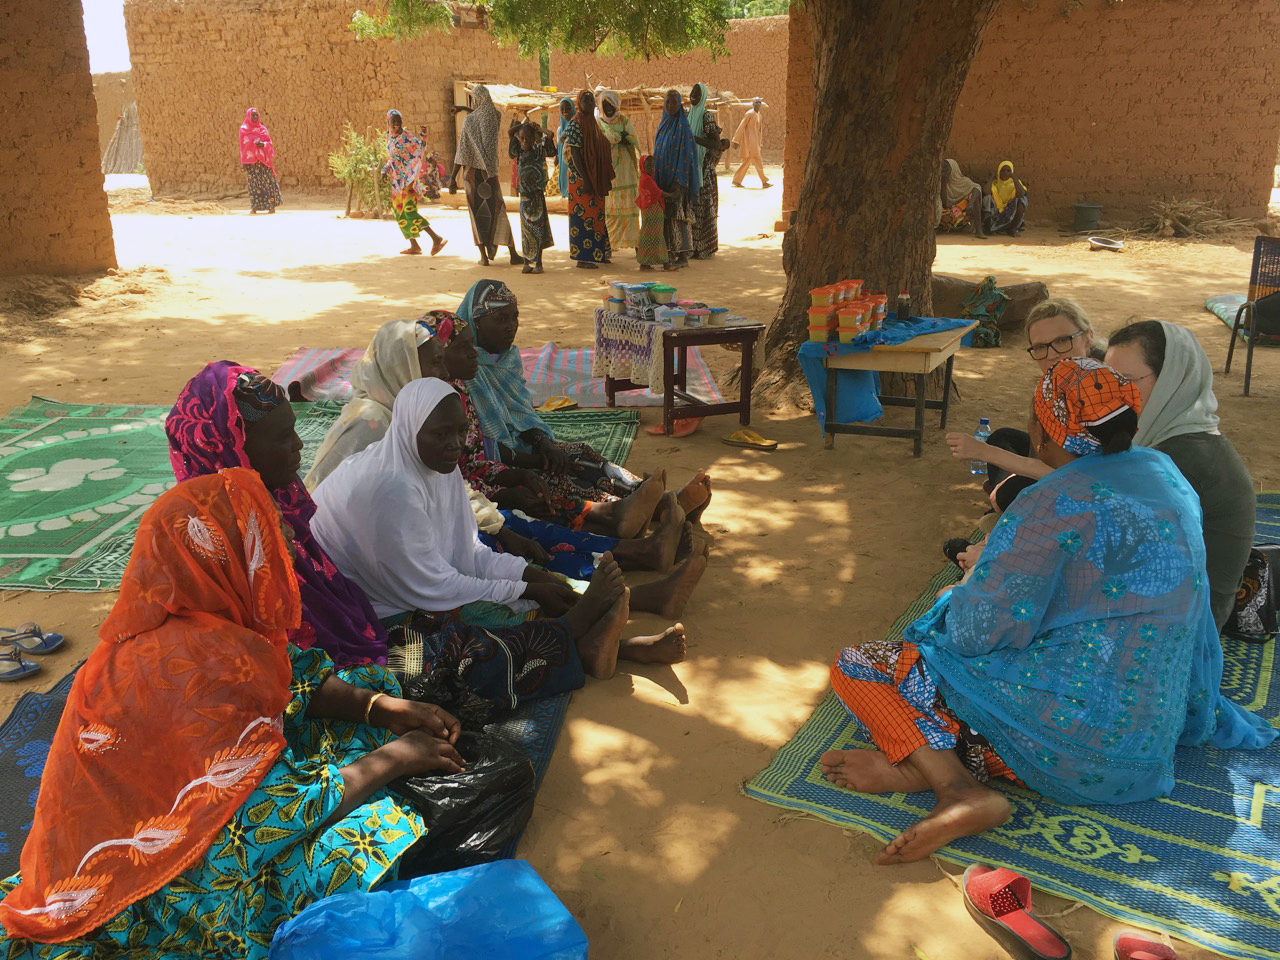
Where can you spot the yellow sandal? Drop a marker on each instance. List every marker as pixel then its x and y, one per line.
pixel 558 403
pixel 750 439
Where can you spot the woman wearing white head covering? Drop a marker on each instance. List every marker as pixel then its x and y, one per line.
pixel 407 531
pixel 393 360
pixel 395 518
pixel 1179 419
pixel 477 154
pixel 621 215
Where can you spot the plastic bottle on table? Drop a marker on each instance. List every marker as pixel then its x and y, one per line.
pixel 979 467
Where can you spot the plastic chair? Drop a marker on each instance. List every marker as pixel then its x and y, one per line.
pixel 1264 280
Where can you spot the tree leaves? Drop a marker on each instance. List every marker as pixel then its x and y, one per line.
pixel 635 28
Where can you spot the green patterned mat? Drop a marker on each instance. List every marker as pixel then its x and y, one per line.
pixel 611 432
pixel 76 478
pixel 1202 864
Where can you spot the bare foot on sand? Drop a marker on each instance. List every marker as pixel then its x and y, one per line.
pixel 632 515
pixel 666 647
pixel 602 593
pixel 685 547
pixel 599 648
pixel 695 494
pixel 658 550
pixel 667 597
pixel 869 771
pixel 964 813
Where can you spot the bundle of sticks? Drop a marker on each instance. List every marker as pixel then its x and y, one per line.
pixel 1186 218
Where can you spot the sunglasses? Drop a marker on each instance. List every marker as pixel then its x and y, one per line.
pixel 1061 345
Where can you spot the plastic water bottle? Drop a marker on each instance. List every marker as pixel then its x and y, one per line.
pixel 979 467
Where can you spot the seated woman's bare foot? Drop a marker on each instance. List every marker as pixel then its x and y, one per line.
pixel 964 813
pixel 602 592
pixel 667 597
pixel 599 647
pixel 684 549
pixel 666 647
pixel 695 494
pixel 631 515
pixel 658 550
pixel 869 771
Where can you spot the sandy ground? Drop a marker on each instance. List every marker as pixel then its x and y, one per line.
pixel 640 826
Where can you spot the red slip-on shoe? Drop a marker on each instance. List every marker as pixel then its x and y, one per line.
pixel 1000 900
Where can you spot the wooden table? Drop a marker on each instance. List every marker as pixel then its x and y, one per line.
pixel 677 402
pixel 916 358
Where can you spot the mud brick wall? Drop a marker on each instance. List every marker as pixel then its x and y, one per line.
pixel 753 67
pixel 1119 104
pixel 53 210
pixel 197 66
pixel 799 107
pixel 113 92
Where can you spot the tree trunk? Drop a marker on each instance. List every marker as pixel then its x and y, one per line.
pixel 887 75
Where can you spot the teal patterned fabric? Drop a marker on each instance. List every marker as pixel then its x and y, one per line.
pixel 275 857
pixel 1083 647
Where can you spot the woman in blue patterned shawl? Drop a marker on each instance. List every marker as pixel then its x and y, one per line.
pixel 677 167
pixel 579 479
pixel 1076 655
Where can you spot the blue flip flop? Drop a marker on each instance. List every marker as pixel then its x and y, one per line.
pixel 13 667
pixel 29 638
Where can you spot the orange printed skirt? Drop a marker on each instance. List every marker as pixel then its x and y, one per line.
pixel 887 687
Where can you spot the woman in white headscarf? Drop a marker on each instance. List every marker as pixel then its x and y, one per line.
pixel 959 201
pixel 1179 419
pixel 403 351
pixel 477 161
pixel 621 215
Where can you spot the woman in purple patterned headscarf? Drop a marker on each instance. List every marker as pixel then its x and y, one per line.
pixel 208 431
pixel 228 416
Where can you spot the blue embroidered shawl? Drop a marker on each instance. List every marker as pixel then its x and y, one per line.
pixel 1083 646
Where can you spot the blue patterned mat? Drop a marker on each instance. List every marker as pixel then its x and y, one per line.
pixel 25 738
pixel 1203 864
pixel 1268 519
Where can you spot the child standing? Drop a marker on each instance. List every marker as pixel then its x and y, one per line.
pixel 651 247
pixel 530 146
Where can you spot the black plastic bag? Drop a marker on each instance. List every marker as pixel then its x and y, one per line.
pixel 447 690
pixel 473 815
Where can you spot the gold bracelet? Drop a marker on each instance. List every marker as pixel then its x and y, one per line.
pixel 368 707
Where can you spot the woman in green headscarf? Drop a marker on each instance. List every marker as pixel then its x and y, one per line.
pixel 711 145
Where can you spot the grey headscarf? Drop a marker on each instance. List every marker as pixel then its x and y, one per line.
pixel 1182 400
pixel 478 142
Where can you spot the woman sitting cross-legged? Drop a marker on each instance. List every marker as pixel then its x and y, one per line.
pixel 1076 654
pixel 187 808
pixel 516 436
pixel 395 518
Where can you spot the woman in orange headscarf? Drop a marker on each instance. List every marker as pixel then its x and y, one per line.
pixel 187 806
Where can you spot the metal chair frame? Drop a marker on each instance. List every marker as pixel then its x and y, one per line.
pixel 1264 279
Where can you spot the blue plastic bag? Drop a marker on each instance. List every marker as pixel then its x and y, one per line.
pixel 501 911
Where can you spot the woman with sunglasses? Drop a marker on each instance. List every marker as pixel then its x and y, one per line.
pixel 1056 330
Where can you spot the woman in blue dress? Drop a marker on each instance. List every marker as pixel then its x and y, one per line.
pixel 1076 655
